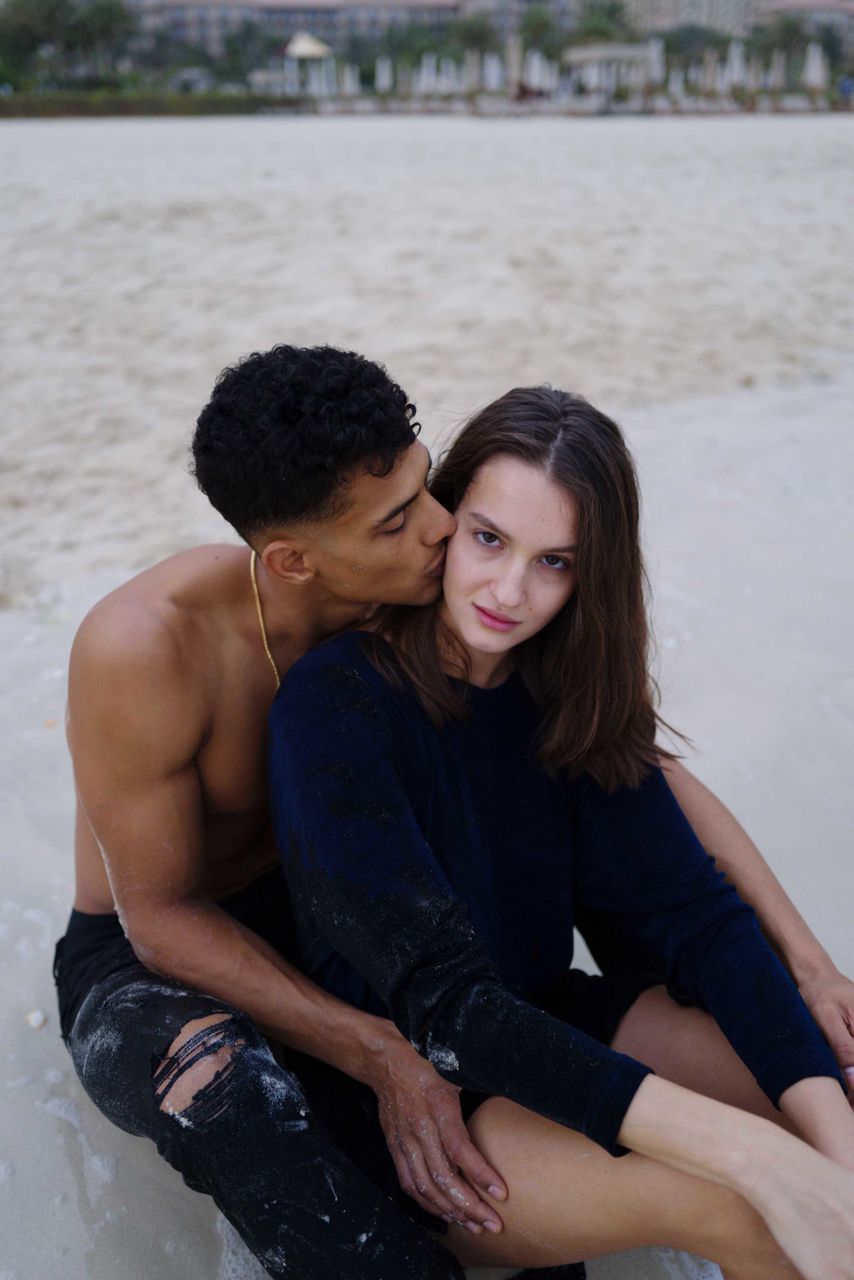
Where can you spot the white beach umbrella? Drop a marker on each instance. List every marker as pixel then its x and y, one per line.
pixel 656 66
pixel 383 75
pixel 815 67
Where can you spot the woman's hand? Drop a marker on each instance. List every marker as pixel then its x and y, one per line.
pixel 436 1161
pixel 829 996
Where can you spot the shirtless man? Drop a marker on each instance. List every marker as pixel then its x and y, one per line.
pixel 173 976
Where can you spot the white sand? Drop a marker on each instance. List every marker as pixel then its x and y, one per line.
pixel 694 277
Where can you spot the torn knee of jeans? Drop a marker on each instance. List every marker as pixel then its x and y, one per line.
pixel 193 1082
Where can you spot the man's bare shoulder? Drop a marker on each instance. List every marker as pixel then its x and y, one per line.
pixel 161 623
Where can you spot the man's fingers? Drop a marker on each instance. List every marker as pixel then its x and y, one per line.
pixel 413 1176
pixel 407 1181
pixel 437 1163
pixel 474 1168
pixel 428 1194
pixel 404 1177
pixel 465 1198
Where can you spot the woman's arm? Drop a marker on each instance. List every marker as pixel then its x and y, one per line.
pixel 806 1200
pixel 827 993
pixel 743 865
pixel 643 876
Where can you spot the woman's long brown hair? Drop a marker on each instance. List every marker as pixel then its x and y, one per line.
pixel 588 669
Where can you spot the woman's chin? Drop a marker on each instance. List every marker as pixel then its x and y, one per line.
pixel 501 644
pixel 478 639
pixel 483 644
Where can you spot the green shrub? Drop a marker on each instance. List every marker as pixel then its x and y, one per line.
pixel 104 103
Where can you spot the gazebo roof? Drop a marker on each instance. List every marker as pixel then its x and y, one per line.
pixel 303 45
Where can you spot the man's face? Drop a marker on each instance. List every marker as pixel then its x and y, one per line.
pixel 389 545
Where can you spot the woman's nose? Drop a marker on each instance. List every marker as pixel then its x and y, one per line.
pixel 508 588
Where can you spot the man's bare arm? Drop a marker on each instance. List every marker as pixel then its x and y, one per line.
pixel 135 727
pixel 828 994
pixel 135 730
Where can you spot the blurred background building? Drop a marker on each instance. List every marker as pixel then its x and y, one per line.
pixel 821 15
pixel 207 24
pixel 731 17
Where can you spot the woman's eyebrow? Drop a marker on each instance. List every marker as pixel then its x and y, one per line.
pixel 482 519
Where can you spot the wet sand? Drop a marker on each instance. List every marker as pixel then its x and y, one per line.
pixel 695 278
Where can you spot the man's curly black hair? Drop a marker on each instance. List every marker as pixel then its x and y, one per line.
pixel 285 429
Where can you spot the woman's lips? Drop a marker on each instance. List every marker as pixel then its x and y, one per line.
pixel 495 621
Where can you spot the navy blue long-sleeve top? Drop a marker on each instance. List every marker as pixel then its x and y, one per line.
pixel 436 874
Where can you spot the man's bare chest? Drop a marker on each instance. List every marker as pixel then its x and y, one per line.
pixel 231 761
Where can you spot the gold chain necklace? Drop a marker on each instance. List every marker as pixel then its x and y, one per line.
pixel 260 613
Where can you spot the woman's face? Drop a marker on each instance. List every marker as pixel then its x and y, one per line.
pixel 510 565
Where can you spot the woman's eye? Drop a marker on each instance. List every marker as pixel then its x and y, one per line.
pixel 487 539
pixel 555 562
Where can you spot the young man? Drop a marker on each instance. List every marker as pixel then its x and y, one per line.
pixel 173 977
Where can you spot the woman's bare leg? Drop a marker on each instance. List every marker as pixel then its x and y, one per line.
pixel 687 1046
pixel 630 1202
pixel 569 1201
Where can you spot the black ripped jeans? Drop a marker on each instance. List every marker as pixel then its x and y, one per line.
pixel 257 1138
pixel 290 1149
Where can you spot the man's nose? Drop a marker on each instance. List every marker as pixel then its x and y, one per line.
pixel 444 525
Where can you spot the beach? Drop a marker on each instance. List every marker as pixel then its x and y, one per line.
pixel 694 278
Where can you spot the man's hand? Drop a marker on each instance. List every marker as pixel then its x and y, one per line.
pixel 436 1160
pixel 829 996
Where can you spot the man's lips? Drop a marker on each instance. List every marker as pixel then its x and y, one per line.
pixel 437 568
pixel 495 621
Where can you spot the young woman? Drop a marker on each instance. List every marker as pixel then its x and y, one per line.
pixel 454 790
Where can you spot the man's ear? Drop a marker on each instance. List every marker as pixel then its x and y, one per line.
pixel 286 560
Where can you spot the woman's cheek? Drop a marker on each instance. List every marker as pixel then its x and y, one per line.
pixel 559 595
pixel 459 569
